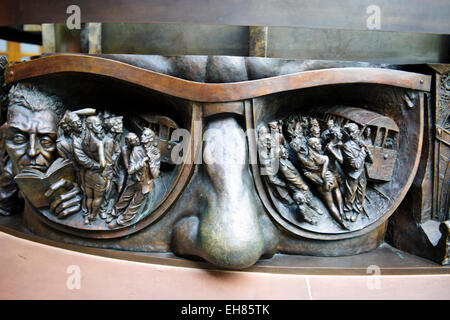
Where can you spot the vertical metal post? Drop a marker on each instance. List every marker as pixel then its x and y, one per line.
pixel 257 46
pixel 48 38
pixel 91 38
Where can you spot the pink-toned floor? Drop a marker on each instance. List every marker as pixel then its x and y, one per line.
pixel 30 270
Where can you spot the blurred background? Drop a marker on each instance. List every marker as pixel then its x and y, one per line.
pixel 21 42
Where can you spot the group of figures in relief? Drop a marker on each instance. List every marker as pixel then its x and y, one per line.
pixel 79 163
pixel 330 163
pixel 115 172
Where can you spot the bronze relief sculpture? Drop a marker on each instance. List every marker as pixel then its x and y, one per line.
pixel 77 163
pixel 336 156
pixel 315 161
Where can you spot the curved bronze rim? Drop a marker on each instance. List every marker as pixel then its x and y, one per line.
pixel 212 92
pixel 215 92
pixel 296 230
pixel 178 185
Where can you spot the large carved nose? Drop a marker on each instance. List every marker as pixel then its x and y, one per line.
pixel 231 230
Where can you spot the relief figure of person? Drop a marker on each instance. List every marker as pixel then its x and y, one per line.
pixel 315 168
pixel 269 160
pixel 304 124
pixel 277 136
pixel 90 155
pixel 8 187
pixel 30 141
pixel 355 154
pixel 152 152
pixel 368 137
pixel 113 175
pixel 64 140
pixel 65 131
pixel 132 197
pixel 298 140
pixel 301 194
pixel 314 130
pixel 326 133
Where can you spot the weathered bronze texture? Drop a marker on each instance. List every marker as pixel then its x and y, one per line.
pixel 421 225
pixel 111 179
pixel 442 147
pixel 213 92
pixel 337 155
pixel 168 153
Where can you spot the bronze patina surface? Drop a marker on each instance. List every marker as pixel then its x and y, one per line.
pixel 227 159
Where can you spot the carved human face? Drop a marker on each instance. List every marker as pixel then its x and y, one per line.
pixel 132 139
pixel 315 131
pixel 299 131
pixel 30 138
pixel 147 137
pixel 315 144
pixel 337 134
pixel 273 126
pixel 353 131
pixel 117 125
pixel 94 124
pixel 75 123
pixel 64 126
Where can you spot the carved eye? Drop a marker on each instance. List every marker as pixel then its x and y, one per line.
pixel 46 142
pixel 19 138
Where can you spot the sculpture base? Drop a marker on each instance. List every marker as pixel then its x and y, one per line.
pixel 333 248
pixel 288 245
pixel 380 274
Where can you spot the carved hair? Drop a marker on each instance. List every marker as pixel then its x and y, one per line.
pixel 148 131
pixel 351 127
pixel 91 119
pixel 312 141
pixel 273 124
pixel 30 97
pixel 130 137
pixel 314 122
pixel 262 130
pixel 335 131
pixel 108 123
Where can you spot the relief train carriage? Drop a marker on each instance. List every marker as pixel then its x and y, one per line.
pixel 164 128
pixel 380 133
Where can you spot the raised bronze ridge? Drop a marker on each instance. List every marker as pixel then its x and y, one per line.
pixel 212 92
